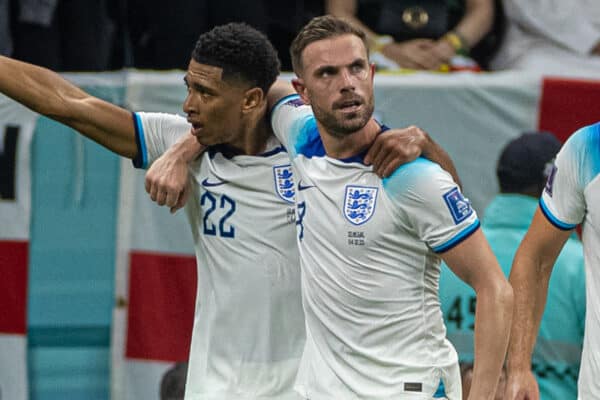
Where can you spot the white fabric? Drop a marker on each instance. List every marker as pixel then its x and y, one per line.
pixel 369 275
pixel 553 37
pixel 572 196
pixel 249 326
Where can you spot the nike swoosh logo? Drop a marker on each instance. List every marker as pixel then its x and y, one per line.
pixel 304 187
pixel 206 183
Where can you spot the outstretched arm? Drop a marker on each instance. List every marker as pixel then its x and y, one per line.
pixel 530 275
pixel 473 262
pixel 49 94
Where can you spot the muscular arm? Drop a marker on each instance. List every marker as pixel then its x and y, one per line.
pixel 278 91
pixel 49 94
pixel 530 275
pixel 474 263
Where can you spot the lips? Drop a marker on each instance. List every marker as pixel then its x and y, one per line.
pixel 196 127
pixel 348 104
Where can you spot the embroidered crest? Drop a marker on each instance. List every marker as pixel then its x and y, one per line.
pixel 284 182
pixel 459 207
pixel 359 203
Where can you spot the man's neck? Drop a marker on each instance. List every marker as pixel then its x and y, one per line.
pixel 253 139
pixel 341 147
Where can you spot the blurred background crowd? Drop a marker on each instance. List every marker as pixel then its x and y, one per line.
pixel 549 36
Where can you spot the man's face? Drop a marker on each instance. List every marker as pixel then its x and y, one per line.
pixel 213 106
pixel 337 81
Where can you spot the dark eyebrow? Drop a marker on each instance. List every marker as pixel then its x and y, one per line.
pixel 185 80
pixel 359 61
pixel 326 68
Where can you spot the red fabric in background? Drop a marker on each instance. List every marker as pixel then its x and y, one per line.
pixel 162 293
pixel 568 104
pixel 14 259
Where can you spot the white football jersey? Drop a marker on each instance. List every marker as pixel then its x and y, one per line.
pixel 370 269
pixel 571 197
pixel 249 325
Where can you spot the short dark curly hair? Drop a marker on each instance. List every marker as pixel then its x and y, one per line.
pixel 241 51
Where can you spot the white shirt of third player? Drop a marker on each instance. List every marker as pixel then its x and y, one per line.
pixel 572 196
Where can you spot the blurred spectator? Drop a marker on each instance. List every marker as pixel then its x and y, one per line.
pixel 552 37
pixel 64 35
pixel 172 384
pixel 426 34
pixel 522 169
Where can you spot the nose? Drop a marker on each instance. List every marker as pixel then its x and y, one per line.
pixel 188 104
pixel 347 80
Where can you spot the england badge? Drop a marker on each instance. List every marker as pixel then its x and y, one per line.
pixel 284 182
pixel 359 203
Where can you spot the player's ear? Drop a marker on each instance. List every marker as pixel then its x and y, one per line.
pixel 253 98
pixel 300 88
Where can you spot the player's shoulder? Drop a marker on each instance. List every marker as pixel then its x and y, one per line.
pixel 584 140
pixel 290 107
pixel 291 101
pixel 581 154
pixel 418 170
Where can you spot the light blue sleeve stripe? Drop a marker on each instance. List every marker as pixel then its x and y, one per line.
pixel 553 220
pixel 141 142
pixel 462 235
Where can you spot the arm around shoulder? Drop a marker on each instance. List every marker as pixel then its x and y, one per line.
pixel 167 179
pixel 278 91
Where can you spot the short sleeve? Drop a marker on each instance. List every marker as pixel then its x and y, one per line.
pixel 290 119
pixel 577 163
pixel 155 133
pixel 432 202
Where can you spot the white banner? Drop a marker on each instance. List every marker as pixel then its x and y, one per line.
pixel 16 132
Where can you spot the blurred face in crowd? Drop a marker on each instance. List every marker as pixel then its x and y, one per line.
pixel 214 107
pixel 337 81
